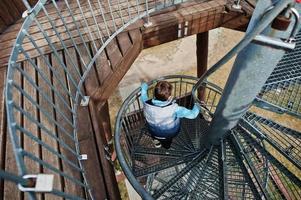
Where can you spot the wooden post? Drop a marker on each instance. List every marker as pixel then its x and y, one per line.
pixel 102 127
pixel 202 57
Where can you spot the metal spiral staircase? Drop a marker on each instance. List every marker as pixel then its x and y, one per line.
pixel 229 151
pixel 256 158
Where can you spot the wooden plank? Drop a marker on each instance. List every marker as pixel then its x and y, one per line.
pixel 91 83
pixel 70 187
pixel 178 16
pixel 92 166
pixel 2 25
pixel 30 145
pixel 34 30
pixel 102 67
pixel 5 14
pixel 114 53
pixel 48 156
pixel 235 21
pixel 124 42
pixel 170 33
pixel 13 10
pixel 19 6
pixel 102 129
pixel 32 2
pixel 103 93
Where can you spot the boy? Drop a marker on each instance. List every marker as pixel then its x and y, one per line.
pixel 163 114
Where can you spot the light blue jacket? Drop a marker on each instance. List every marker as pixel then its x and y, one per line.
pixel 163 117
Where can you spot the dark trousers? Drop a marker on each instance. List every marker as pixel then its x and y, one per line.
pixel 166 143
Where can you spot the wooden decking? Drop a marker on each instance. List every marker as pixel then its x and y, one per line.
pixel 89 129
pixel 176 22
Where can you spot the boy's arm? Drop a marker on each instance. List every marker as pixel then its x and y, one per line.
pixel 183 112
pixel 144 96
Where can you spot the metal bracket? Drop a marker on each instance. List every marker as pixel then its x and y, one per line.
pixel 25 14
pixel 107 150
pixel 83 157
pixel 41 183
pixel 262 104
pixel 108 155
pixel 236 5
pixel 148 24
pixel 287 44
pixel 85 101
pixel 276 42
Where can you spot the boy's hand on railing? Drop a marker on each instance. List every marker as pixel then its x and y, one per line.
pixel 198 105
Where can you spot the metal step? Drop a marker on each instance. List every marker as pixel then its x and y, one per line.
pixel 282 91
pixel 272 178
pixel 148 159
pixel 285 140
pixel 237 183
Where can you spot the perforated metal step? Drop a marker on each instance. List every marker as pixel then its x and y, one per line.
pixel 282 90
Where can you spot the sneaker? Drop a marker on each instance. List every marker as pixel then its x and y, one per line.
pixel 157 143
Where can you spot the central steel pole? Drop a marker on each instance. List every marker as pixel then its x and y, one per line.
pixel 251 69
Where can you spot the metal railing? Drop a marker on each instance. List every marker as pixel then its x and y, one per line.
pixel 43 93
pixel 130 123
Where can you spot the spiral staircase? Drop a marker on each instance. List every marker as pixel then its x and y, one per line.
pixel 235 149
pixel 258 158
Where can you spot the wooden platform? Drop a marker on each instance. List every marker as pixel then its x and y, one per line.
pixel 174 23
pixel 11 11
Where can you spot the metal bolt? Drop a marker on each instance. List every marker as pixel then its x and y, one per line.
pixel 236 5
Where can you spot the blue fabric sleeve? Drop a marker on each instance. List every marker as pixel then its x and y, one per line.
pixel 183 112
pixel 144 96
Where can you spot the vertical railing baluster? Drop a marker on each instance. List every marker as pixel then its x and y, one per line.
pixel 104 18
pixel 77 27
pixel 71 37
pixel 129 10
pixel 137 7
pixel 120 12
pixel 95 21
pixel 58 58
pixel 112 15
pixel 61 41
pixel 87 25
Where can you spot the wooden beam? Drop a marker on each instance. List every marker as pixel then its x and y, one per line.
pixel 100 122
pixel 105 123
pixel 202 52
pixel 235 21
pixel 102 126
pixel 202 57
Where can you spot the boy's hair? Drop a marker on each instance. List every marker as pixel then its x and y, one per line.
pixel 163 90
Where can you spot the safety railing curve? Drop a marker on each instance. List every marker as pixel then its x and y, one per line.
pixel 131 113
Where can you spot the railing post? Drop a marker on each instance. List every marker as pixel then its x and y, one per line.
pixel 100 121
pixel 252 67
pixel 27 5
pixel 202 57
pixel 148 22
